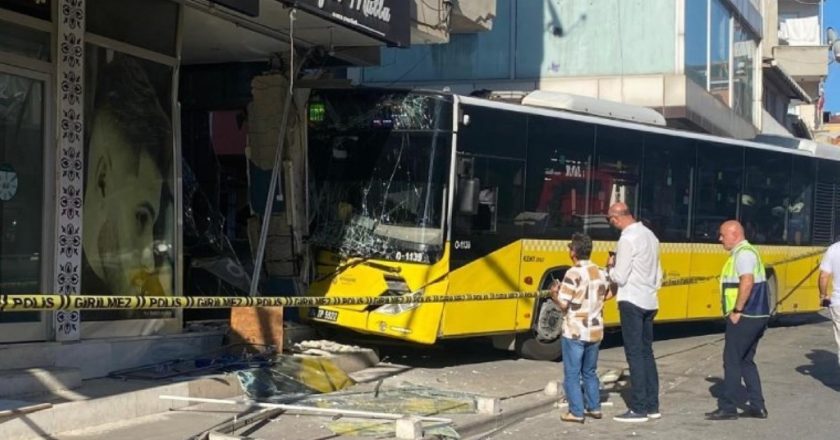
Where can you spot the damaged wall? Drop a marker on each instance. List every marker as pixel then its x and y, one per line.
pixel 284 245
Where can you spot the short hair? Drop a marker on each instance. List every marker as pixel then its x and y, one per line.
pixel 123 91
pixel 582 245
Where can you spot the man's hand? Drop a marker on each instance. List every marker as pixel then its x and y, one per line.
pixel 555 291
pixel 734 317
pixel 611 260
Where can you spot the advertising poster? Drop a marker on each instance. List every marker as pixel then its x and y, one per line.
pixel 128 229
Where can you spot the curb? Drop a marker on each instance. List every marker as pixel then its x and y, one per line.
pixel 486 426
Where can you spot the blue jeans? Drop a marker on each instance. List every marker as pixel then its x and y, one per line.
pixel 637 332
pixel 580 360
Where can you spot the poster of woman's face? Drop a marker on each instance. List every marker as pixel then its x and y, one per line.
pixel 127 244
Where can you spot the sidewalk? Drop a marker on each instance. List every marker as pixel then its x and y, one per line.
pixel 518 396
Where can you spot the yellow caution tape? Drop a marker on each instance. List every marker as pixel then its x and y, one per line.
pixel 29 303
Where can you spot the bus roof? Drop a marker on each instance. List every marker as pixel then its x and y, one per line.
pixel 819 150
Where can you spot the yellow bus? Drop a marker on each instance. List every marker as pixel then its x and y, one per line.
pixel 429 193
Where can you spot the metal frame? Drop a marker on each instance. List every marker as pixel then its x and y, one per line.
pixel 145 327
pixel 39 330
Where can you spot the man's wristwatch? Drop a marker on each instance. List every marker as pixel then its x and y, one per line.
pixel 737 310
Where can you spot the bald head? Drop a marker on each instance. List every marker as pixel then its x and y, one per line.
pixel 619 215
pixel 731 233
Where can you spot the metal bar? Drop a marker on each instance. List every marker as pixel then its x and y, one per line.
pixel 303 408
pixel 278 158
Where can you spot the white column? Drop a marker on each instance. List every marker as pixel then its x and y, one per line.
pixel 70 51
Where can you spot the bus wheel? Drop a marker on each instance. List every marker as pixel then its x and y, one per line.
pixel 542 343
pixel 530 347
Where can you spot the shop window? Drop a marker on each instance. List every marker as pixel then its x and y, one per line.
pixel 21 188
pixel 127 247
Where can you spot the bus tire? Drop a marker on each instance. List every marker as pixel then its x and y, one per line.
pixel 529 347
pixel 542 341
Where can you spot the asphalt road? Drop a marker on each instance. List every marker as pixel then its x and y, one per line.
pixel 800 375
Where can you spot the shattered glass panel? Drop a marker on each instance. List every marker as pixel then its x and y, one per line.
pixel 405 399
pixel 205 242
pixel 380 168
pixel 292 377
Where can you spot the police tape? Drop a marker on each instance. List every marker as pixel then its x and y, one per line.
pixel 31 303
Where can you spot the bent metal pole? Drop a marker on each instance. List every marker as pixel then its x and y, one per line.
pixel 307 409
pixel 29 303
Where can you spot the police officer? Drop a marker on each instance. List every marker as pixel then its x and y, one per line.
pixel 746 307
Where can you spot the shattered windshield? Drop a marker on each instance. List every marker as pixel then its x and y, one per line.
pixel 379 164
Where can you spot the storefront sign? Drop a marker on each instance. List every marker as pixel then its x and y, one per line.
pixel 385 20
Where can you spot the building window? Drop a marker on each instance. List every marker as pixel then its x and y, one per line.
pixel 697 41
pixel 24 41
pixel 719 45
pixel 743 61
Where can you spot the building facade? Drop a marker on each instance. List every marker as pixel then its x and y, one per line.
pixel 698 62
pixel 93 183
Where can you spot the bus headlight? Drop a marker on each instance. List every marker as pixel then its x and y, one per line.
pixel 396 309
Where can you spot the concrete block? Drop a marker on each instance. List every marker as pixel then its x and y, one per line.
pixel 87 356
pixel 34 381
pixel 488 405
pixel 16 356
pixel 409 428
pixel 553 387
pixel 215 387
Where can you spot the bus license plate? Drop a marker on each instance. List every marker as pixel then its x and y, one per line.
pixel 326 315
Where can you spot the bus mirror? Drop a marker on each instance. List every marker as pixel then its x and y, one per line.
pixel 468 190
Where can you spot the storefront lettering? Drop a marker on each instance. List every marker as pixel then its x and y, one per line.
pixel 370 8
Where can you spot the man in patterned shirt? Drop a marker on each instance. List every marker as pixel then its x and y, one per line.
pixel 581 297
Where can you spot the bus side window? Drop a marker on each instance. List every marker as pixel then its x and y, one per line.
pixel 557 184
pixel 801 200
pixel 615 178
pixel 717 189
pixel 765 198
pixel 666 198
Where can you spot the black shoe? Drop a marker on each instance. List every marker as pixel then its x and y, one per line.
pixel 720 414
pixel 756 413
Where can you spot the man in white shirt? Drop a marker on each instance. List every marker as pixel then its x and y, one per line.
pixel 635 269
pixel 829 267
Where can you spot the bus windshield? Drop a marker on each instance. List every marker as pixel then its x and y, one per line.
pixel 379 166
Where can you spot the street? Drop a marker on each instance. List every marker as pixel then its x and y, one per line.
pixel 796 358
pixel 800 376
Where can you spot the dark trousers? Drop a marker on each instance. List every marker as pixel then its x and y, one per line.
pixel 637 332
pixel 738 353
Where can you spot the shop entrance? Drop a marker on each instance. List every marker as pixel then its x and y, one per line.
pixel 23 135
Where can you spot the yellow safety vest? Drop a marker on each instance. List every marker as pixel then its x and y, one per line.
pixel 758 304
